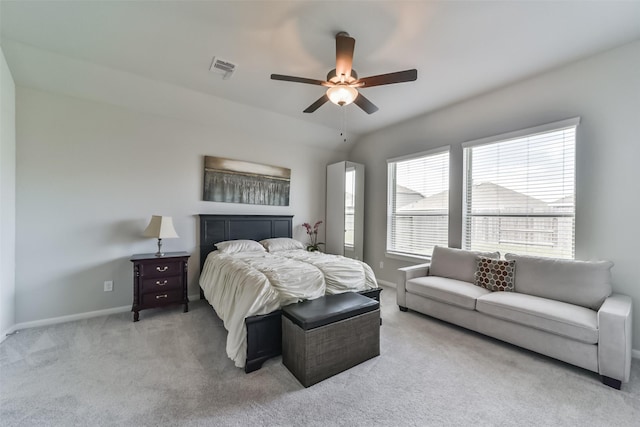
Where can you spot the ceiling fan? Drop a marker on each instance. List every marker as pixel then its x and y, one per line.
pixel 343 82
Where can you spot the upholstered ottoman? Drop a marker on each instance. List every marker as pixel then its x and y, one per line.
pixel 328 335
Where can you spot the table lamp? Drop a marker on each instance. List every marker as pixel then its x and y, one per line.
pixel 160 227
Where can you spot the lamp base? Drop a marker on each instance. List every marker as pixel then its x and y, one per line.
pixel 159 253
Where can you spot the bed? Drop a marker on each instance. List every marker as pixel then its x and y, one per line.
pixel 263 331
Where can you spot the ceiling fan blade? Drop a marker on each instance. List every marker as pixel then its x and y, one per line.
pixel 390 78
pixel 300 80
pixel 319 103
pixel 362 102
pixel 344 54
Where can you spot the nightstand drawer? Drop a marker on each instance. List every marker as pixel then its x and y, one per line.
pixel 160 284
pixel 160 268
pixel 159 298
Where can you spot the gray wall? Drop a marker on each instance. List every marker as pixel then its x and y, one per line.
pixel 90 175
pixel 603 90
pixel 7 198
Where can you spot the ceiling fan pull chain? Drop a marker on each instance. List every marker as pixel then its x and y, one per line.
pixel 344 124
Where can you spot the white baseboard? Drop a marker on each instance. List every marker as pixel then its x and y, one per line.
pixel 73 317
pixel 387 284
pixel 5 334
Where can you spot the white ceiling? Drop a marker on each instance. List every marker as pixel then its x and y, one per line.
pixel 461 49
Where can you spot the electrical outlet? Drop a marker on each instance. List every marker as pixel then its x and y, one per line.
pixel 108 285
pixel 381 265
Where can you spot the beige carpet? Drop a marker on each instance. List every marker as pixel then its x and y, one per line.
pixel 171 369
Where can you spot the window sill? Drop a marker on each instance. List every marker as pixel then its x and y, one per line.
pixel 407 258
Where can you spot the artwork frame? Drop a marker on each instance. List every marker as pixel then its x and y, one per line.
pixel 238 181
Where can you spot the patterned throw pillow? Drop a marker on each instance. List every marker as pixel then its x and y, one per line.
pixel 495 274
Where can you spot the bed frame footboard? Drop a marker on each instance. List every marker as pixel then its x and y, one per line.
pixel 264 339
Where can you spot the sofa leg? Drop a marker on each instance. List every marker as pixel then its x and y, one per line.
pixel 403 308
pixel 611 382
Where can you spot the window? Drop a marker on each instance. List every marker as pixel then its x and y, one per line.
pixel 418 203
pixel 519 193
pixel 349 205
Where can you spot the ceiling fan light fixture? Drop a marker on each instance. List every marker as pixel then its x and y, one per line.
pixel 342 94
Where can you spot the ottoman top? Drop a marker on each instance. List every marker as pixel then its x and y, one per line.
pixel 328 309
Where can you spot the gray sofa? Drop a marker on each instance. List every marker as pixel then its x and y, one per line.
pixel 564 309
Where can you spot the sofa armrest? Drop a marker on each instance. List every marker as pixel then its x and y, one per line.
pixel 408 273
pixel 614 342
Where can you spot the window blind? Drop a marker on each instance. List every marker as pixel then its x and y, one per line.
pixel 519 193
pixel 418 203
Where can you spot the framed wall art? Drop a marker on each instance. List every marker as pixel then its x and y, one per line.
pixel 237 181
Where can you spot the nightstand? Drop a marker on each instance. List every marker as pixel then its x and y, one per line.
pixel 159 281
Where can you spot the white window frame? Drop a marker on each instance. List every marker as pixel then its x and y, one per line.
pixel 390 253
pixel 352 206
pixel 549 127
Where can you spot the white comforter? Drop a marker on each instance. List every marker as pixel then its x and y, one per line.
pixel 246 284
pixel 341 274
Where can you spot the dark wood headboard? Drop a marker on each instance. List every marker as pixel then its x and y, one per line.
pixel 218 228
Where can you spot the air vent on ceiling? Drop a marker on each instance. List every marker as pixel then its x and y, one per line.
pixel 220 66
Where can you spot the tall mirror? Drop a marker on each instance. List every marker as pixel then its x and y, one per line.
pixel 345 209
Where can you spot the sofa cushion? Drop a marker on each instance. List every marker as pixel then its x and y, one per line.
pixel 584 283
pixel 451 291
pixel 560 318
pixel 495 274
pixel 456 264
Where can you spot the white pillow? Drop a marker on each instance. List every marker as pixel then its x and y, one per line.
pixel 281 244
pixel 233 246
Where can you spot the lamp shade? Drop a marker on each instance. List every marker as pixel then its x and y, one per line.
pixel 160 227
pixel 342 94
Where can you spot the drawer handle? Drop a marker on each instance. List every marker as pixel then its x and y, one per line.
pixel 165 268
pixel 161 296
pixel 161 283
